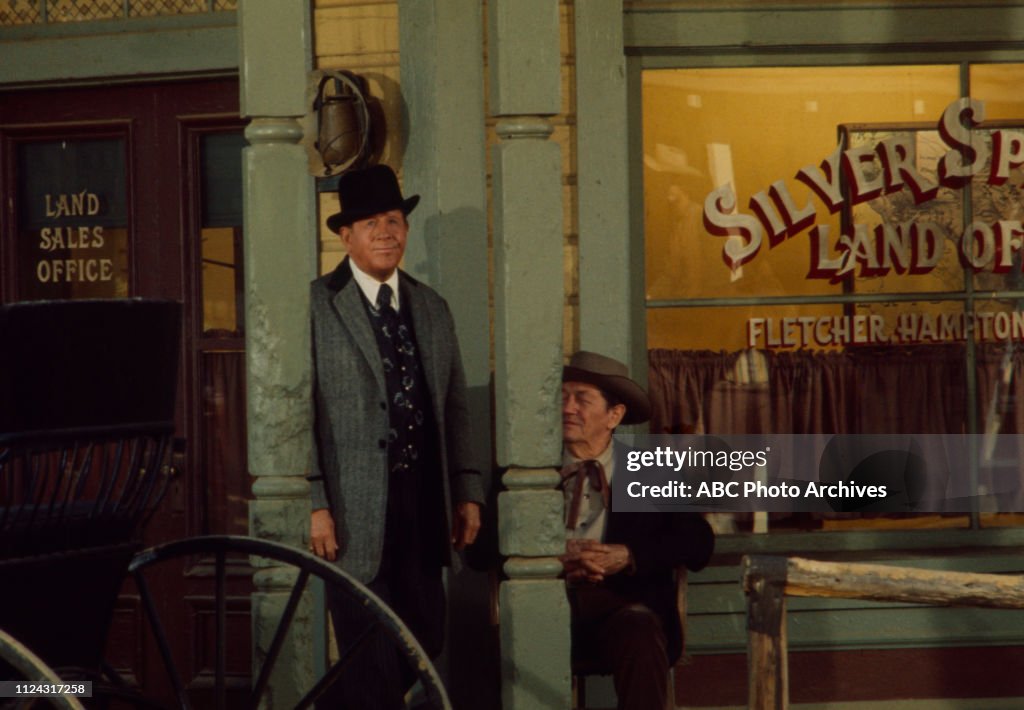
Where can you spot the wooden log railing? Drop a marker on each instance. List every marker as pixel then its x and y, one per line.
pixel 767 581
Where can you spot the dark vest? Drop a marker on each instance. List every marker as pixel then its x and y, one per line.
pixel 414 510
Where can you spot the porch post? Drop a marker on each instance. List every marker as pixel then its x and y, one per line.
pixel 280 258
pixel 523 51
pixel 445 163
pixel 610 281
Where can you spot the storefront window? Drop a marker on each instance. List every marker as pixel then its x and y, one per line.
pixel 72 239
pixel 837 250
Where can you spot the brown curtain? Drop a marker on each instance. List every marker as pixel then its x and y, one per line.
pixel 225 475
pixel 912 390
pixel 680 384
pixel 893 390
pixel 1001 388
pixel 1001 411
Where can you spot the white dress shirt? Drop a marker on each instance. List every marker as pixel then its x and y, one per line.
pixel 370 286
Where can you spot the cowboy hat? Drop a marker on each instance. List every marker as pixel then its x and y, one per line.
pixel 364 193
pixel 612 377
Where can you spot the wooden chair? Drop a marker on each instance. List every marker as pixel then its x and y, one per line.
pixel 587 667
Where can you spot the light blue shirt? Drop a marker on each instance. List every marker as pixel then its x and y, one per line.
pixel 593 516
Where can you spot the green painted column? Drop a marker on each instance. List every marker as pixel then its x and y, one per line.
pixel 610 281
pixel 445 162
pixel 523 52
pixel 280 258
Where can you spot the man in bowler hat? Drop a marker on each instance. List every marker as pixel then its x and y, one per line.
pixel 618 565
pixel 392 485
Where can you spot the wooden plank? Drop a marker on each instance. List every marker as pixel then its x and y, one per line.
pixel 649 28
pixel 904 628
pixel 869 542
pixel 356 30
pixel 767 670
pixel 717 610
pixel 768 581
pixel 865 628
pixel 885 583
pixel 120 53
pixel 768 677
pixel 1000 563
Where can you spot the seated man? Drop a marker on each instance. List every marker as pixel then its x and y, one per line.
pixel 619 566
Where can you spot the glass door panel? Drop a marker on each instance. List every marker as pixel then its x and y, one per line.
pixel 73 233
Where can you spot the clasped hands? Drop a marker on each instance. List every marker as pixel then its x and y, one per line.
pixel 592 561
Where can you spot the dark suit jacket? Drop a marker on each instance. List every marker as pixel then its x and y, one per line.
pixel 350 472
pixel 659 542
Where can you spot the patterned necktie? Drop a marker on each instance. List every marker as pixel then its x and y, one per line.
pixel 400 370
pixel 582 471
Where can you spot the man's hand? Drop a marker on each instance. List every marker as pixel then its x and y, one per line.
pixel 592 561
pixel 322 540
pixel 466 524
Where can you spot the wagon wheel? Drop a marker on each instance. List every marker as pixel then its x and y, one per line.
pixel 32 668
pixel 308 565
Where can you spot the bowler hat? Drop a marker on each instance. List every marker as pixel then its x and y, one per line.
pixel 367 192
pixel 612 377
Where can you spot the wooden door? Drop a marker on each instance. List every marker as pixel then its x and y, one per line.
pixel 135 191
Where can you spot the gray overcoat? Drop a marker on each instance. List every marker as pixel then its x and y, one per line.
pixel 351 418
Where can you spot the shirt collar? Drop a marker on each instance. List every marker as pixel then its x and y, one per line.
pixel 369 285
pixel 605 458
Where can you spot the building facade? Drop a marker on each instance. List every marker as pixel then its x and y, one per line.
pixel 613 176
